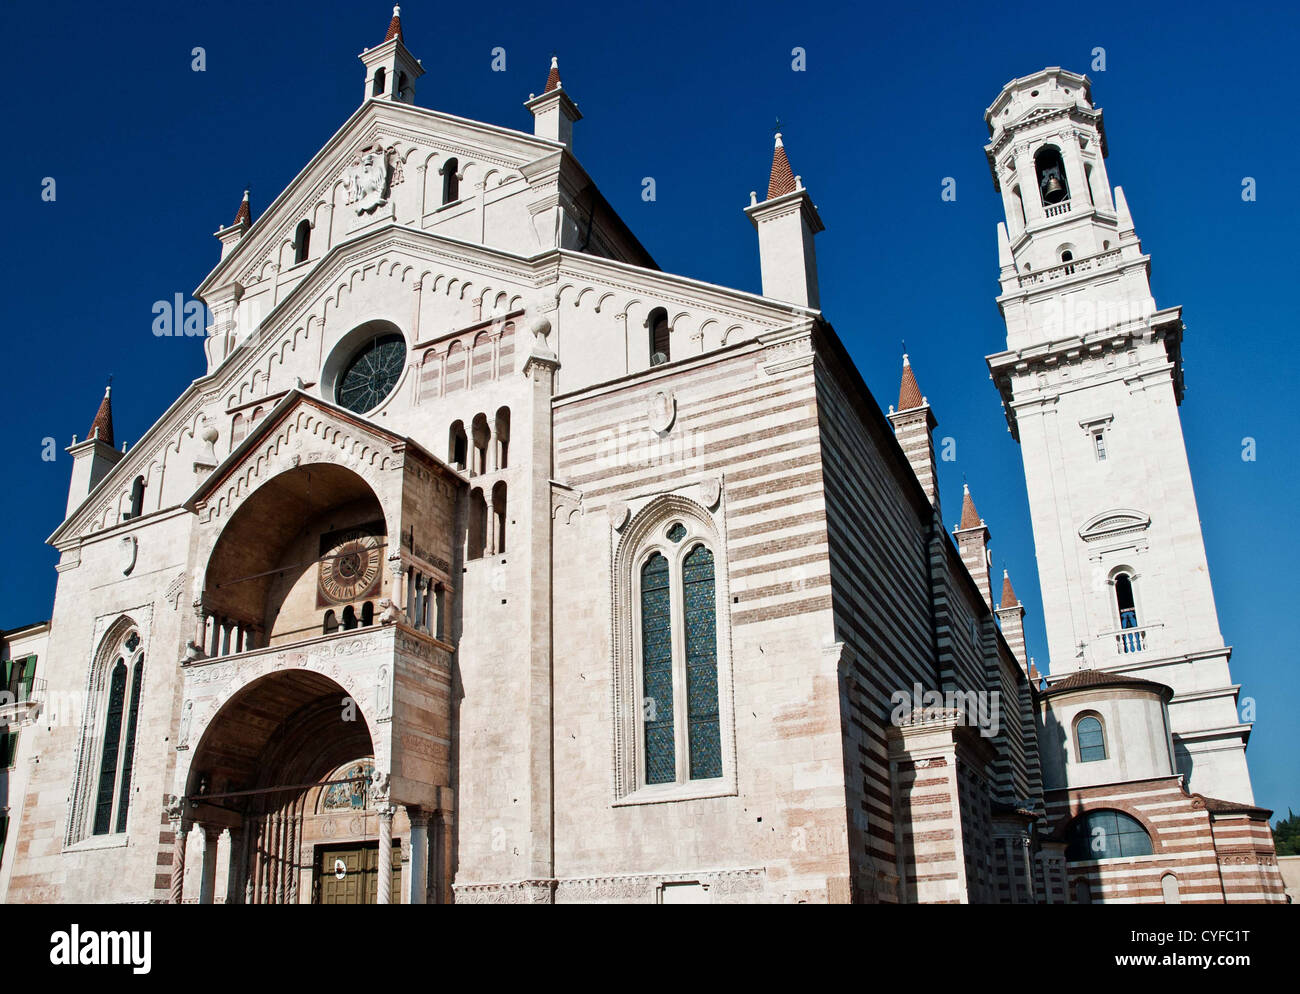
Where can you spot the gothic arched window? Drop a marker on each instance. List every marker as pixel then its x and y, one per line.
pixel 1090 739
pixel 657 671
pixel 673 684
pixel 109 737
pixel 1106 834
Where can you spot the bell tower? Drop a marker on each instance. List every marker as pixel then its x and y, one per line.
pixel 391 70
pixel 1091 382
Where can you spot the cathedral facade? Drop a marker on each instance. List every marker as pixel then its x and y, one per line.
pixel 489 563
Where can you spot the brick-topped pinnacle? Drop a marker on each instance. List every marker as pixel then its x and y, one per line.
pixel 909 394
pixel 395 25
pixel 553 79
pixel 1009 598
pixel 244 215
pixel 782 178
pixel 970 518
pixel 102 426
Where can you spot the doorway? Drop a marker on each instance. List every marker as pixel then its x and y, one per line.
pixel 349 873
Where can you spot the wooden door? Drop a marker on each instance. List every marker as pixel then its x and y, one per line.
pixel 350 874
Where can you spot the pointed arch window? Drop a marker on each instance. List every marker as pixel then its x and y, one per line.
pixel 657 671
pixel 117 734
pixel 674 696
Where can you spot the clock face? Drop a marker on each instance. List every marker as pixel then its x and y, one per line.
pixel 371 374
pixel 349 568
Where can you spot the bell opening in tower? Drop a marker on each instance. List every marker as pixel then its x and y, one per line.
pixel 1050 168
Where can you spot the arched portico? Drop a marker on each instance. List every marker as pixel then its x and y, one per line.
pixel 287 766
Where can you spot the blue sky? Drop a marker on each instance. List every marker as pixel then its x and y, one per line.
pixel 150 157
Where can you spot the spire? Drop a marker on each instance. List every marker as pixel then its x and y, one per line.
pixel 102 427
pixel 909 394
pixel 970 518
pixel 1009 598
pixel 395 25
pixel 554 112
pixel 782 179
pixel 244 216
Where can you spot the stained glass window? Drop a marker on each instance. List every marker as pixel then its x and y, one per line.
pixel 128 759
pixel 1092 743
pixel 699 607
pixel 657 669
pixel 1106 835
pixel 112 739
pixel 677 532
pixel 372 374
pixel 117 756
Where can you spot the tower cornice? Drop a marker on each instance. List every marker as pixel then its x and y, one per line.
pixel 1165 325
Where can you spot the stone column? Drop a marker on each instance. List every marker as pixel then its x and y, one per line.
pixel 234 869
pixel 251 860
pixel 535 549
pixel 418 871
pixel 200 625
pixel 1072 157
pixel 1030 196
pixel 208 867
pixel 385 810
pixel 180 826
pixel 446 856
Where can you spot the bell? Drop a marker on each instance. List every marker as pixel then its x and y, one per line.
pixel 1054 190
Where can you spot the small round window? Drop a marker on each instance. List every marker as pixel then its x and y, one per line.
pixel 677 532
pixel 371 374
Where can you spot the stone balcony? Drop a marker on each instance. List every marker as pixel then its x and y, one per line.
pixel 1071 268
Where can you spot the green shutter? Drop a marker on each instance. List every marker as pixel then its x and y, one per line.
pixel 27 678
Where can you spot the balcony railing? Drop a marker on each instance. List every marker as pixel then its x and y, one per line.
pixel 1068 268
pixel 1128 641
pixel 27 702
pixel 1056 210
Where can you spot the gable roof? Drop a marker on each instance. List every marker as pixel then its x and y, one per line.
pixel 291 401
pixel 388 115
